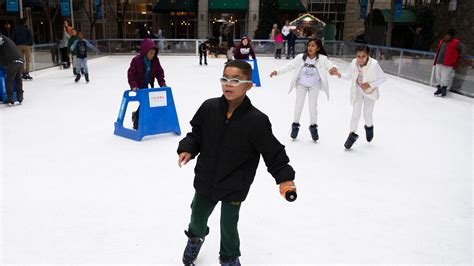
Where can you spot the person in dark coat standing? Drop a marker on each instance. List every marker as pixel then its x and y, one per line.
pixel 203 48
pixel 229 134
pixel 144 69
pixel 24 40
pixel 11 59
pixel 291 41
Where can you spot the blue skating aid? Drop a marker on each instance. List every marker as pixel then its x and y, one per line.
pixel 3 86
pixel 157 113
pixel 255 74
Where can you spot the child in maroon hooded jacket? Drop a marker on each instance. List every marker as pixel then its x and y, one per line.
pixel 143 71
pixel 244 50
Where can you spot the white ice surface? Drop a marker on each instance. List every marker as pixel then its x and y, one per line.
pixel 74 193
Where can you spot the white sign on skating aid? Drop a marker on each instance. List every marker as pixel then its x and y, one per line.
pixel 157 98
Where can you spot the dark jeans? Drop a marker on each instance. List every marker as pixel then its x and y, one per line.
pixel 291 51
pixel 202 208
pixel 135 118
pixel 201 54
pixel 14 73
pixel 64 55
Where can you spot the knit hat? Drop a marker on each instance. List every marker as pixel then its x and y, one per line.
pixel 452 32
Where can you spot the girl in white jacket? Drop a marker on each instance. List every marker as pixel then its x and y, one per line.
pixel 366 75
pixel 309 78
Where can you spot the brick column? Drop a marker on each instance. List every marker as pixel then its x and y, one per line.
pixel 203 19
pixel 252 17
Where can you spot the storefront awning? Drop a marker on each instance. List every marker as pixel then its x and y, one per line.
pixel 229 5
pixel 166 6
pixel 407 17
pixel 291 5
pixel 307 19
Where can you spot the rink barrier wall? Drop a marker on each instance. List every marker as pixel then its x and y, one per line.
pixel 406 63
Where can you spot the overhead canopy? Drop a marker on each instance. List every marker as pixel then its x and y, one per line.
pixel 407 17
pixel 229 5
pixel 307 19
pixel 291 5
pixel 166 6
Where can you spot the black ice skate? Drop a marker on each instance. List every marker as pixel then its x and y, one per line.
pixel 314 132
pixel 229 261
pixel 26 76
pixel 192 248
pixel 369 133
pixel 438 90
pixel 350 140
pixel 443 91
pixel 87 77
pixel 295 127
pixel 78 77
pixel 135 120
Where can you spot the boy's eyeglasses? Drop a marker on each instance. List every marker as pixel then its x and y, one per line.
pixel 233 82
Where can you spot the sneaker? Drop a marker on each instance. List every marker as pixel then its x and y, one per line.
pixel 78 77
pixel 351 140
pixel 314 132
pixel 295 127
pixel 369 133
pixel 229 261
pixel 192 248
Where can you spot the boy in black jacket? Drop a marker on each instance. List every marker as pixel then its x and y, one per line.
pixel 229 134
pixel 291 40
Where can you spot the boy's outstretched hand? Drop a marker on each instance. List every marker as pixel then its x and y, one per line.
pixel 184 158
pixel 284 185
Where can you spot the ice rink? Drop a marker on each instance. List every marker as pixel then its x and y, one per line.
pixel 74 193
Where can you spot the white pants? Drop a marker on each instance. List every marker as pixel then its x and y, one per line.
pixel 357 108
pixel 444 75
pixel 313 94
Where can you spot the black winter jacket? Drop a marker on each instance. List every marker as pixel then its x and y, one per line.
pixel 291 38
pixel 22 36
pixel 8 51
pixel 229 150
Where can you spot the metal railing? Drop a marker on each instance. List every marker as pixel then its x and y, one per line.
pixel 410 64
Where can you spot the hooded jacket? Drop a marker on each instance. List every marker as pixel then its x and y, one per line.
pixel 243 52
pixel 137 70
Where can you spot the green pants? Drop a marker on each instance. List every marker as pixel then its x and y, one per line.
pixel 202 208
